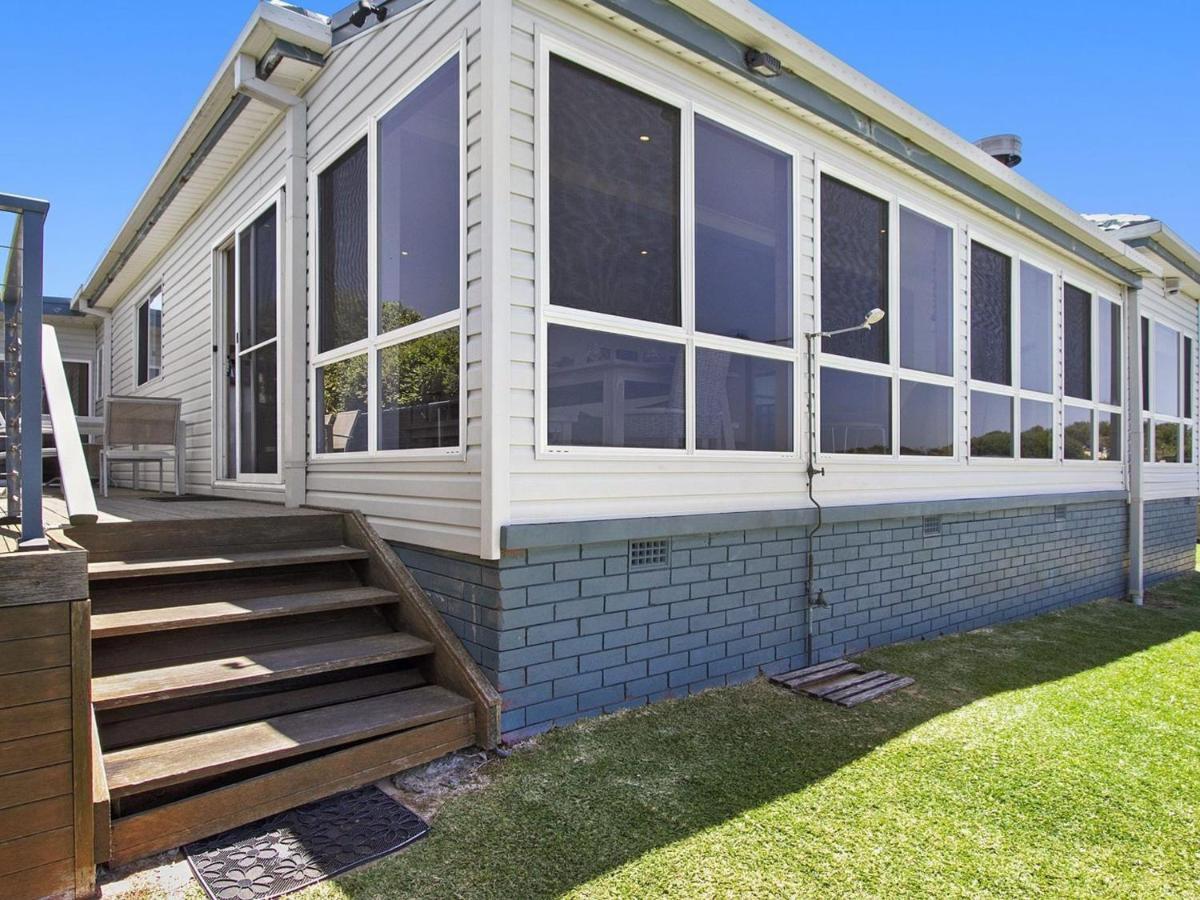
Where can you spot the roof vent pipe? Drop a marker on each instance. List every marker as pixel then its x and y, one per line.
pixel 1004 147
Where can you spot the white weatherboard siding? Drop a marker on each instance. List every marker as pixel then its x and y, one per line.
pixel 546 486
pixel 185 273
pixel 430 502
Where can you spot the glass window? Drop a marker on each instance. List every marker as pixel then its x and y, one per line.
pixel 1037 329
pixel 342 406
pixel 1188 439
pixel 1108 326
pixel 1166 370
pixel 991 315
pixel 854 268
pixel 743 237
pixel 418 184
pixel 149 343
pixel 256 296
pixel 1147 441
pixel 1166 442
pixel 1077 432
pixel 742 402
pixel 1077 341
pixel 614 197
pixel 419 393
pixel 608 390
pixel 79 388
pixel 1145 364
pixel 926 286
pixel 991 424
pixel 1037 429
pixel 926 419
pixel 1108 436
pixel 342 250
pixel 1187 377
pixel 259 410
pixel 856 412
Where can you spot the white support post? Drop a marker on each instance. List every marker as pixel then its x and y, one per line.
pixel 1135 454
pixel 293 400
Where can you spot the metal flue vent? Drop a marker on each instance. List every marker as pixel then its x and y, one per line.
pixel 1004 147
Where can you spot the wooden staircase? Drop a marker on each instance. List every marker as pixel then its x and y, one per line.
pixel 243 666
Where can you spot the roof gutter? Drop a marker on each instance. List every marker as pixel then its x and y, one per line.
pixel 686 28
pixel 1168 246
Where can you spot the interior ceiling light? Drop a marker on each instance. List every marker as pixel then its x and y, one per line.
pixel 762 63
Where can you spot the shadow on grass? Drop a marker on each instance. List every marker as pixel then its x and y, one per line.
pixel 590 798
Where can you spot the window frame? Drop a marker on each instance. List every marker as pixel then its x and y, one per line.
pixel 1014 391
pixel 894 198
pixel 1154 419
pixel 91 383
pixel 160 292
pixel 1097 293
pixel 684 334
pixel 371 346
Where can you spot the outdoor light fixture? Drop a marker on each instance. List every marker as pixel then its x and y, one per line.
pixel 358 18
pixel 762 63
pixel 874 317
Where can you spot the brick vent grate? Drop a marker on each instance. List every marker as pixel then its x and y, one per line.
pixel 652 554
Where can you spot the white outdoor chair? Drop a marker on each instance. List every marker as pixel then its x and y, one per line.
pixel 138 430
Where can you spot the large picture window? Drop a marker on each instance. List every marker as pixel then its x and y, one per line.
pixel 388 370
pixel 632 356
pixel 889 390
pixel 1168 401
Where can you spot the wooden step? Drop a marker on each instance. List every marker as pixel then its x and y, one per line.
pixel 252 704
pixel 155 618
pixel 205 676
pixel 255 559
pixel 158 765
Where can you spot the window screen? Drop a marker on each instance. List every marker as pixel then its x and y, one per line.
pixel 743 237
pixel 991 315
pixel 854 268
pixel 1037 329
pixel 256 253
pixel 614 197
pixel 418 185
pixel 926 326
pixel 1077 344
pixel 342 250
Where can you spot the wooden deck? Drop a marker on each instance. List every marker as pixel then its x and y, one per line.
pixel 124 505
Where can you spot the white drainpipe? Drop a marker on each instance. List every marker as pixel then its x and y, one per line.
pixel 1133 416
pixel 292 317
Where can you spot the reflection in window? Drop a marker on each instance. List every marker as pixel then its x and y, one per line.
pixel 1077 341
pixel 1037 429
pixel 418 393
pixel 342 250
pixel 608 390
pixel 1077 432
pixel 1166 442
pixel 1187 443
pixel 743 237
pixel 614 197
pixel 926 418
pixel 1166 370
pixel 856 412
pixel 418 193
pixel 991 315
pixel 1108 436
pixel 742 402
pixel 257 251
pixel 1147 441
pixel 259 429
pixel 854 268
pixel 342 406
pixel 991 424
pixel 926 327
pixel 1108 327
pixel 1037 329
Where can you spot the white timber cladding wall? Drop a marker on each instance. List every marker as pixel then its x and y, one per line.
pixel 432 502
pixel 549 487
pixel 1161 480
pixel 184 271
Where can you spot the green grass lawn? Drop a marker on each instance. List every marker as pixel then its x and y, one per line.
pixel 1058 756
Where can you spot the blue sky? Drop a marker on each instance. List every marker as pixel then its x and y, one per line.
pixel 1103 93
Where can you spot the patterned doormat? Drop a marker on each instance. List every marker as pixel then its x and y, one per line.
pixel 289 851
pixel 841 682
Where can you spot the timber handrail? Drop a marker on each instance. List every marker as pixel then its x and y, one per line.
pixel 72 465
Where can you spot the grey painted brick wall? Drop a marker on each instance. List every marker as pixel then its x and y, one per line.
pixel 571 631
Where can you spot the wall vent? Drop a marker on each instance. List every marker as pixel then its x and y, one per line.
pixel 649 554
pixel 1060 513
pixel 931 525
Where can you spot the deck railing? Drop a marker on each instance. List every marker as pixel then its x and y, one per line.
pixel 23 384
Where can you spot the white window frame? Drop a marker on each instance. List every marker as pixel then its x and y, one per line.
pixel 375 342
pixel 1156 418
pixel 892 369
pixel 159 292
pixel 685 334
pixel 1097 293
